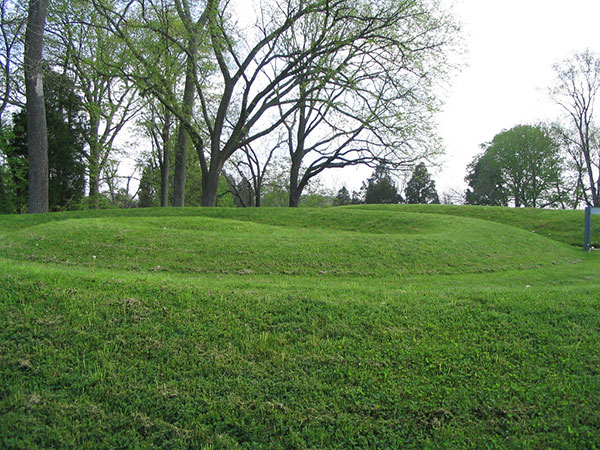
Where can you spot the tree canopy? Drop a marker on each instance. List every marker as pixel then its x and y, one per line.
pixel 326 84
pixel 521 166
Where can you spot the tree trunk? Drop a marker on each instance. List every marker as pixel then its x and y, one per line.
pixel 37 135
pixel 294 199
pixel 295 191
pixel 182 136
pixel 180 166
pixel 210 184
pixel 298 153
pixel 165 166
pixel 164 181
pixel 94 178
pixel 93 157
pixel 257 196
pixel 94 194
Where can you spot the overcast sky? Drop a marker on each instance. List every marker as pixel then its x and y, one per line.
pixel 511 47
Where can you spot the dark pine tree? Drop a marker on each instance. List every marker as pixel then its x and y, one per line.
pixel 380 188
pixel 421 188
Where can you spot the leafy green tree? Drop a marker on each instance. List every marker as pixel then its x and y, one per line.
pixel 420 187
pixel 520 166
pixel 13 15
pixel 148 192
pixel 82 46
pixel 380 188
pixel 368 99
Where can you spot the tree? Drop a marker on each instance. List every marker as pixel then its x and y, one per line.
pixel 95 60
pixel 13 169
pixel 420 187
pixel 250 171
pixel 342 198
pixel 357 197
pixel 521 165
pixel 485 180
pixel 157 123
pixel 453 196
pixel 37 138
pixel 573 186
pixel 575 91
pixel 65 130
pixel 148 195
pixel 380 188
pixel 236 79
pixel 12 22
pixel 66 141
pixel 368 99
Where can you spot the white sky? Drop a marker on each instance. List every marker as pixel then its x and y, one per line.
pixel 511 47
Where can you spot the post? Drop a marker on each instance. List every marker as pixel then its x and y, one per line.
pixel 588 228
pixel 589 212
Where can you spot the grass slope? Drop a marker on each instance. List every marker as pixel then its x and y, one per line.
pixel 562 226
pixel 385 327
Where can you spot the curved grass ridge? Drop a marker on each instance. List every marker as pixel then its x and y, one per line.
pixel 347 242
pixel 559 225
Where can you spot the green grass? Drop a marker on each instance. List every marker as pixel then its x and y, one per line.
pixel 383 327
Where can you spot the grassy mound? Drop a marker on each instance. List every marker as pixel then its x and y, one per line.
pixel 390 327
pixel 281 241
pixel 562 226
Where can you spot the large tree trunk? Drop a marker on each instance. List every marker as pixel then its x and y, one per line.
pixel 37 135
pixel 182 136
pixel 165 163
pixel 94 177
pixel 180 166
pixel 257 195
pixel 294 199
pixel 295 190
pixel 210 184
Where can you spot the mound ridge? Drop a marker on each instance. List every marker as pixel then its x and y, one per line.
pixel 336 242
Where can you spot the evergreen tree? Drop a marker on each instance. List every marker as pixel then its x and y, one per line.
pixel 420 187
pixel 148 194
pixel 380 188
pixel 486 184
pixel 342 198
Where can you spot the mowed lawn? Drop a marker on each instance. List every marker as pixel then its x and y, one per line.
pixel 366 327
